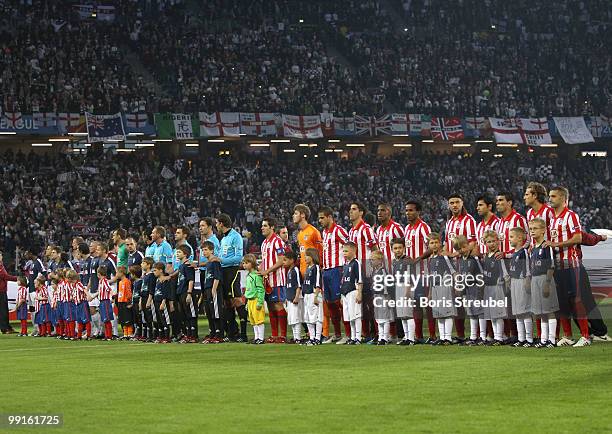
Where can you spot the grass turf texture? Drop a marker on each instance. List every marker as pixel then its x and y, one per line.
pixel 115 387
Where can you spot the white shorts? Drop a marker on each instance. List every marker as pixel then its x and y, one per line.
pixel 351 310
pixel 294 312
pixel 94 303
pixel 312 312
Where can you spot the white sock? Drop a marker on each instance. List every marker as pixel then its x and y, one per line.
pixel 482 324
pixel 387 330
pixel 473 328
pixel 255 332
pixel 353 330
pixel 297 331
pixel 95 323
pixel 319 330
pixel 411 329
pixel 115 328
pixel 498 329
pixel 262 329
pixel 448 328
pixel 552 330
pixel 381 330
pixel 358 329
pixel 520 327
pixel 544 329
pixel 528 329
pixel 311 330
pixel 406 328
pixel 441 328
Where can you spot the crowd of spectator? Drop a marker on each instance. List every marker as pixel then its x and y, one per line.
pixel 520 58
pixel 49 198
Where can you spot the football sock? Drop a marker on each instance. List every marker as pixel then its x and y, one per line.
pixel 448 329
pixel 539 327
pixel 242 315
pixel 24 326
pixel 274 323
pixel 473 328
pixel 334 312
pixel 482 325
pixel 498 329
pixel 79 330
pixel 358 330
pixel 441 328
pixel 552 330
pixel 411 329
pixel 319 330
pixel 520 326
pixel 567 327
pixel 348 330
pixel 326 318
pixel 460 326
pixel 431 323
pixel 583 323
pixel 545 335
pixel 282 322
pixel 528 328
pixel 88 329
pixel 405 328
pixel 353 329
pixel 419 325
pixel 297 331
pixel 311 330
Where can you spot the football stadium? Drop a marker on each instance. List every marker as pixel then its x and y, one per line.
pixel 214 214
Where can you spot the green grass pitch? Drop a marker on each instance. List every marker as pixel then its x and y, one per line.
pixel 117 387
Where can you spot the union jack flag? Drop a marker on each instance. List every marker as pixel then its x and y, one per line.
pixel 372 125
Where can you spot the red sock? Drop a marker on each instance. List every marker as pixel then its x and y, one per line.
pixel 431 323
pixel 334 311
pixel 108 330
pixel 365 327
pixel 48 328
pixel 80 332
pixel 60 327
pixel 72 329
pixel 24 326
pixel 347 329
pixel 418 324
pixel 274 323
pixel 460 327
pixel 567 326
pixel 539 327
pixel 583 323
pixel 393 329
pixel 88 329
pixel 282 322
pixel 489 328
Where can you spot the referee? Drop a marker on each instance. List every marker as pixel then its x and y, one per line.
pixel 230 256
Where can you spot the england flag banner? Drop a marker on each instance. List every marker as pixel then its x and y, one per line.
pixel 573 130
pixel 302 127
pixel 104 127
pixel 531 131
pixel 258 124
pixel 219 124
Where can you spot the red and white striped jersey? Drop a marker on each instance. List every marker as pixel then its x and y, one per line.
pixel 565 226
pixel 22 294
pixel 513 220
pixel 271 249
pixel 363 236
pixel 386 234
pixel 416 238
pixel 492 224
pixel 463 224
pixel 105 292
pixel 545 213
pixel 62 291
pixel 41 292
pixel 78 292
pixel 69 291
pixel 333 240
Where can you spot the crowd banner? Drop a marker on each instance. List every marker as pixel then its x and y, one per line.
pixel 185 126
pixel 573 130
pixel 102 128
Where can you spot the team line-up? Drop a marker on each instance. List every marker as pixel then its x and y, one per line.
pixel 501 274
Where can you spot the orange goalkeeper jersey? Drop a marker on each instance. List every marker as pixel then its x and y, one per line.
pixel 308 238
pixel 124 292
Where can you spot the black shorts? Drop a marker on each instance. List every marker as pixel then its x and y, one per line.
pixel 230 284
pixel 188 310
pixel 136 311
pixel 172 283
pixel 125 314
pixel 146 314
pixel 567 281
